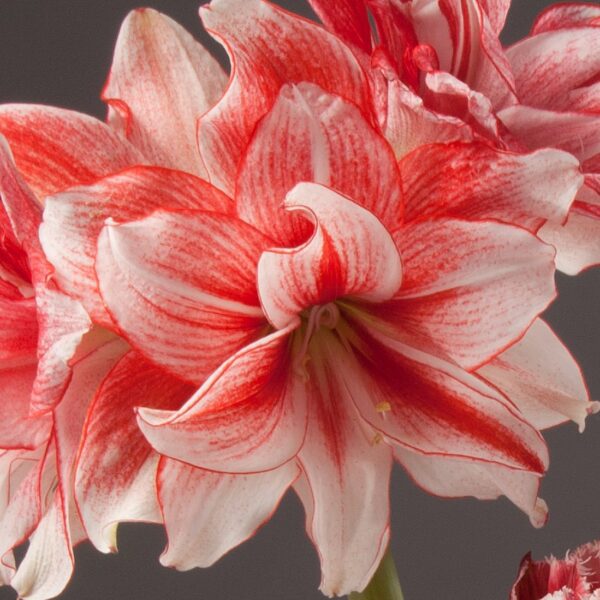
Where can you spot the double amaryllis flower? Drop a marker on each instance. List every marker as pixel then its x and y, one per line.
pixel 295 278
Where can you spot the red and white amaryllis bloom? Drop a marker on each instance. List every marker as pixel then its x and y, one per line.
pixel 445 58
pixel 308 292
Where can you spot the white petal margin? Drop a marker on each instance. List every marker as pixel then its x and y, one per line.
pixel 542 378
pixel 345 486
pixel 207 514
pixel 349 254
pixel 160 83
pixel 248 417
pixel 455 478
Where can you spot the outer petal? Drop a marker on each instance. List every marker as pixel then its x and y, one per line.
pixel 115 481
pixel 73 221
pixel 470 289
pixel 303 52
pixel 249 416
pixel 348 19
pixel 433 407
pixel 566 15
pixel 345 489
pixel 455 478
pixel 56 148
pixel 160 83
pixel 188 276
pixel 208 514
pixel 549 65
pixel 476 181
pixel 542 379
pixel 578 241
pixel 496 11
pixel 349 254
pixel 310 135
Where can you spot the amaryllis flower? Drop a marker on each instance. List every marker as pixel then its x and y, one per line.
pixel 58 372
pixel 444 59
pixel 576 577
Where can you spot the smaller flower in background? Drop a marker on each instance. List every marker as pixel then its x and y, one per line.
pixel 576 577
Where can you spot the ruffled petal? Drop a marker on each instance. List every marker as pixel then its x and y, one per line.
pixel 348 19
pixel 249 416
pixel 475 181
pixel 455 478
pixel 345 488
pixel 470 289
pixel 183 275
pixel 349 254
pixel 410 124
pixel 207 514
pixel 431 406
pixel 115 482
pixel 161 81
pixel 73 221
pixel 310 135
pixel 548 66
pixel 56 148
pixel 541 377
pixel 303 52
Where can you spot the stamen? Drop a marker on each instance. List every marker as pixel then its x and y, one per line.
pixel 383 407
pixel 377 439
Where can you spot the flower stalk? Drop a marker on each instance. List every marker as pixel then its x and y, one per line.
pixel 384 585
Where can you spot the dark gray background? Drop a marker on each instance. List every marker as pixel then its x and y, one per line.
pixel 59 52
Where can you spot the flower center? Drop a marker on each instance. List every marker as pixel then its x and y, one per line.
pixel 326 315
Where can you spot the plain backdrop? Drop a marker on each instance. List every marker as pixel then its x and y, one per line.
pixel 59 52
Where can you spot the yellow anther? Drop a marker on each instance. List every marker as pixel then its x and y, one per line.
pixel 377 439
pixel 383 407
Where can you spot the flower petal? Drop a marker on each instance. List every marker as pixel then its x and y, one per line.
pixel 303 52
pixel 73 221
pixel 327 141
pixel 542 378
pixel 455 478
pixel 184 275
pixel 431 406
pixel 470 289
pixel 566 15
pixel 345 488
pixel 349 254
pixel 115 482
pixel 348 19
pixel 208 514
pixel 409 124
pixel 160 83
pixel 56 148
pixel 574 132
pixel 548 66
pixel 496 10
pixel 249 416
pixel 477 181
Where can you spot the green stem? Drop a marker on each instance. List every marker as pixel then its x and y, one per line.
pixel 385 584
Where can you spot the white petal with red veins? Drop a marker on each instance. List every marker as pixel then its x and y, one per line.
pixel 249 416
pixel 161 81
pixel 56 148
pixel 345 488
pixel 565 15
pixel 470 289
pixel 542 379
pixel 207 514
pixel 311 135
pixel 349 254
pixel 73 221
pixel 455 478
pixel 115 482
pixel 184 275
pixel 303 52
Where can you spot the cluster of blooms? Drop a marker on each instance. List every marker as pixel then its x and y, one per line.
pixel 577 577
pixel 289 277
